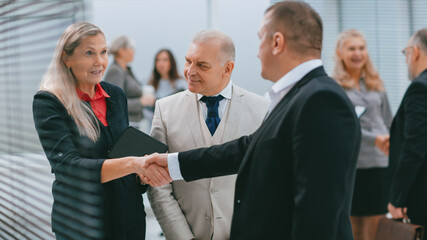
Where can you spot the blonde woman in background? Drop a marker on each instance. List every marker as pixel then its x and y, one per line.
pixel 78 119
pixel 355 72
pixel 120 74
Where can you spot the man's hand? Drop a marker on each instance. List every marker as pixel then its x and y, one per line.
pixel 382 142
pixel 152 174
pixel 397 212
pixel 155 162
pixel 159 159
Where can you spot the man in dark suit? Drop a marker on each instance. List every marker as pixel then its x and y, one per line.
pixel 296 172
pixel 408 139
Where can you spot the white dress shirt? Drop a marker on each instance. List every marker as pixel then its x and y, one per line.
pixel 277 92
pixel 226 93
pixel 284 85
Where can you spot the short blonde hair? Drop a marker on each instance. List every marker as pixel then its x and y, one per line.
pixel 59 80
pixel 369 73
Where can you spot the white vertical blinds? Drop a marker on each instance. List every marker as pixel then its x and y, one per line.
pixel 29 31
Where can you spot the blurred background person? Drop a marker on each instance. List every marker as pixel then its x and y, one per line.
pixel 355 72
pixel 165 78
pixel 120 74
pixel 408 151
pixel 78 119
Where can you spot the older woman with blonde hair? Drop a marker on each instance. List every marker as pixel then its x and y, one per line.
pixel 78 119
pixel 355 72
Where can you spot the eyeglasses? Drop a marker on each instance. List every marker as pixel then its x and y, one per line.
pixel 406 50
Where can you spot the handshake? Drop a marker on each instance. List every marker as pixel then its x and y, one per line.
pixel 153 169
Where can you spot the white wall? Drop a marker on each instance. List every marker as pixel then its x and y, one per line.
pixel 156 24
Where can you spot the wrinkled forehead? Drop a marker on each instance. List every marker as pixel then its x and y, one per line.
pixel 97 40
pixel 206 49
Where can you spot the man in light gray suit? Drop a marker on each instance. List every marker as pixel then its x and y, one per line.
pixel 212 111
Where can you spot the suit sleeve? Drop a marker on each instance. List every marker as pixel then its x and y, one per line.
pixel 414 151
pixel 369 135
pixel 386 110
pixel 116 77
pixel 218 160
pixel 165 207
pixel 50 118
pixel 326 145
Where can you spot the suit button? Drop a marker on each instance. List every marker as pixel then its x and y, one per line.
pixel 238 201
pixel 60 154
pixel 207 218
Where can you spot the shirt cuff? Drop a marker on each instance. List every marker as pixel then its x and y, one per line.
pixel 173 165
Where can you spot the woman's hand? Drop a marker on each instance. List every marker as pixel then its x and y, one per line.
pixel 382 142
pixel 152 174
pixel 147 101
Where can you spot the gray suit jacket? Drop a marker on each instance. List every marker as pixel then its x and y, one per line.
pixel 204 208
pixel 376 120
pixel 126 81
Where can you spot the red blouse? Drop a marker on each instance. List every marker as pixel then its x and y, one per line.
pixel 98 102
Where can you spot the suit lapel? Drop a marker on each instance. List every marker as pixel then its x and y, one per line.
pixel 233 116
pixel 283 104
pixel 193 119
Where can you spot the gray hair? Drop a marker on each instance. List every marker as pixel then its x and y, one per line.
pixel 119 43
pixel 227 50
pixel 420 39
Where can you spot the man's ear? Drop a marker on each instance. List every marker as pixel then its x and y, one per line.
pixel 228 69
pixel 65 59
pixel 416 53
pixel 278 42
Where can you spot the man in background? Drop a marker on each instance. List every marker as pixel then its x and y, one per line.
pixel 408 139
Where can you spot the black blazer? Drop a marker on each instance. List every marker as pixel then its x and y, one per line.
pixel 408 150
pixel 296 172
pixel 84 208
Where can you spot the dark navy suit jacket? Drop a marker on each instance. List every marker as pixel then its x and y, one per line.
pixel 296 172
pixel 408 151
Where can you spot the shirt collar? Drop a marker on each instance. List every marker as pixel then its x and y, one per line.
pixel 296 74
pixel 99 93
pixel 226 92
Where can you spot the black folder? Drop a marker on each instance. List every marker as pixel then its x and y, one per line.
pixel 136 143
